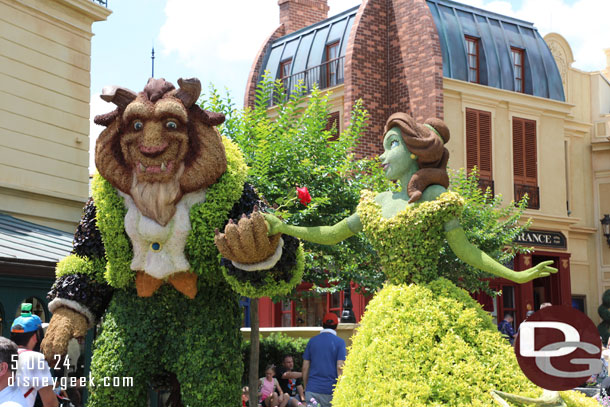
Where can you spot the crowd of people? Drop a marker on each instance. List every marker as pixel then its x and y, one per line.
pixel 25 375
pixel 323 361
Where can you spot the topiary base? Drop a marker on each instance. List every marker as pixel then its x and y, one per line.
pixel 431 345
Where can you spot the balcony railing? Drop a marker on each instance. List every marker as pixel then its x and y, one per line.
pixel 532 192
pixel 101 2
pixel 325 75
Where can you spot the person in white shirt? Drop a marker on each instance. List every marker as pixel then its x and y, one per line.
pixel 10 395
pixel 33 373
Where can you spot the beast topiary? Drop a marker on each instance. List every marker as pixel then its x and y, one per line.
pixel 147 254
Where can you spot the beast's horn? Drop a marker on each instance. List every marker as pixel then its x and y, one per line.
pixel 117 95
pixel 189 91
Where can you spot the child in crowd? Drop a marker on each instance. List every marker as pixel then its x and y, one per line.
pixel 269 390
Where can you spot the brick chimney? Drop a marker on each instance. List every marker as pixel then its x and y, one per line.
pixel 297 14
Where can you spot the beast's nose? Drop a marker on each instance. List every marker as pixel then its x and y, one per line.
pixel 152 151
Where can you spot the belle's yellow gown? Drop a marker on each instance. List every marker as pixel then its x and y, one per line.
pixel 422 340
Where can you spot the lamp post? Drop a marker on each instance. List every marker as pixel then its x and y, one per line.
pixel 606 227
pixel 347 316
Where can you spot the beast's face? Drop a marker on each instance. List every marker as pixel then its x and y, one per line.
pixel 155 138
pixel 159 145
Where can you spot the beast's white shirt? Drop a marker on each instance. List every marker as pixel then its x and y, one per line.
pixel 159 250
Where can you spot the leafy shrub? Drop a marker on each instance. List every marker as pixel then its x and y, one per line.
pixel 292 148
pixel 430 345
pixel 272 350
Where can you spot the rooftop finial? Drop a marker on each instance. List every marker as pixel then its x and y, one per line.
pixel 152 57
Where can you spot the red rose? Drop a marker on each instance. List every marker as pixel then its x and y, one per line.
pixel 303 195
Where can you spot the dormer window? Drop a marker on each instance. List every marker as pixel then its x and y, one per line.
pixel 285 68
pixel 472 50
pixel 332 53
pixel 518 68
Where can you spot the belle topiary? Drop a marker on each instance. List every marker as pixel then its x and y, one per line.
pixel 146 256
pixel 422 341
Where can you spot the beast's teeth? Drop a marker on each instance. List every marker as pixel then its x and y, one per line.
pixel 142 168
pixel 163 168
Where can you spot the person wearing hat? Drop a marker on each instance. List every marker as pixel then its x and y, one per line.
pixel 33 373
pixel 10 395
pixel 323 362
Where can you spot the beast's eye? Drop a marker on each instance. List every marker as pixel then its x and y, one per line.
pixel 393 144
pixel 172 125
pixel 138 125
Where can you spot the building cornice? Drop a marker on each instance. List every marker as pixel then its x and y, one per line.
pixel 514 100
pixel 89 8
pixel 23 191
pixel 58 12
pixel 577 127
pixel 551 222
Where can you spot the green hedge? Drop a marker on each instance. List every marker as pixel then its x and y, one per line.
pixel 272 349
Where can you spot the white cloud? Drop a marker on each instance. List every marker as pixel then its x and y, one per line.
pixel 583 23
pixel 204 32
pixel 219 40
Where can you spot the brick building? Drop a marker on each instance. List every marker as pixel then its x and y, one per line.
pixel 515 107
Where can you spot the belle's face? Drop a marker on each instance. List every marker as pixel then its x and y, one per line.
pixel 396 159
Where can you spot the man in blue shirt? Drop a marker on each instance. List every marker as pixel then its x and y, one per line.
pixel 506 327
pixel 323 362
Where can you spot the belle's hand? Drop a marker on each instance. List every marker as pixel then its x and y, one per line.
pixel 539 270
pixel 274 224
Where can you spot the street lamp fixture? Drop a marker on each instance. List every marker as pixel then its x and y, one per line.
pixel 606 227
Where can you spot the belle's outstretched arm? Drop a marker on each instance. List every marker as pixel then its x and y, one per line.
pixel 327 235
pixel 469 253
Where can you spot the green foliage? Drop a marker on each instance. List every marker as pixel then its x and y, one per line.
pixel 292 148
pixel 429 345
pixel 74 264
pixel 110 221
pixel 147 338
pixel 271 287
pixel 272 350
pixel 417 231
pixel 488 224
pixel 604 312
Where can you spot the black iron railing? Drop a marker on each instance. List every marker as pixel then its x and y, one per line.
pixel 532 192
pixel 325 75
pixel 101 2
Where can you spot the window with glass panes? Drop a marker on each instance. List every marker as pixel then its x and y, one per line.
pixel 285 68
pixel 332 53
pixel 472 49
pixel 287 313
pixel 518 71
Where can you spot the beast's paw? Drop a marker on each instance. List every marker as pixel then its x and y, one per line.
pixel 247 242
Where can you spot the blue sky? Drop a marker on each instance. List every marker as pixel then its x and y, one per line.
pixel 217 41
